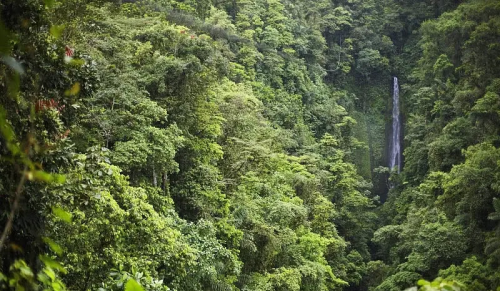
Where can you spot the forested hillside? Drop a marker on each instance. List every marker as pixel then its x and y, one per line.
pixel 243 145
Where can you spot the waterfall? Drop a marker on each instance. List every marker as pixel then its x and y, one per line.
pixel 395 144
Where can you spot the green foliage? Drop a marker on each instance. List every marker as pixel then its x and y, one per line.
pixel 240 145
pixel 472 274
pixel 451 157
pixel 132 285
pixel 22 277
pixel 439 284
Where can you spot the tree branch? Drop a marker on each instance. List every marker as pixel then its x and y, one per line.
pixel 15 205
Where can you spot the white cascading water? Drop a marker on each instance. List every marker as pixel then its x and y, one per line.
pixel 395 145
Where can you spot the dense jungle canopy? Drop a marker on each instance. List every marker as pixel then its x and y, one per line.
pixel 243 145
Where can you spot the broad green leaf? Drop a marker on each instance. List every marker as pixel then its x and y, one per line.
pixel 53 245
pixel 423 282
pixel 50 273
pixel 51 263
pixel 62 214
pixel 40 176
pixel 132 285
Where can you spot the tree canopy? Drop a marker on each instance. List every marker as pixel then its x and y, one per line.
pixel 243 145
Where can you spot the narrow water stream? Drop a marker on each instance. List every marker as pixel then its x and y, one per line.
pixel 395 143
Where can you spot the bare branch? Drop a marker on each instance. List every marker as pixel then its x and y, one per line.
pixel 15 205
